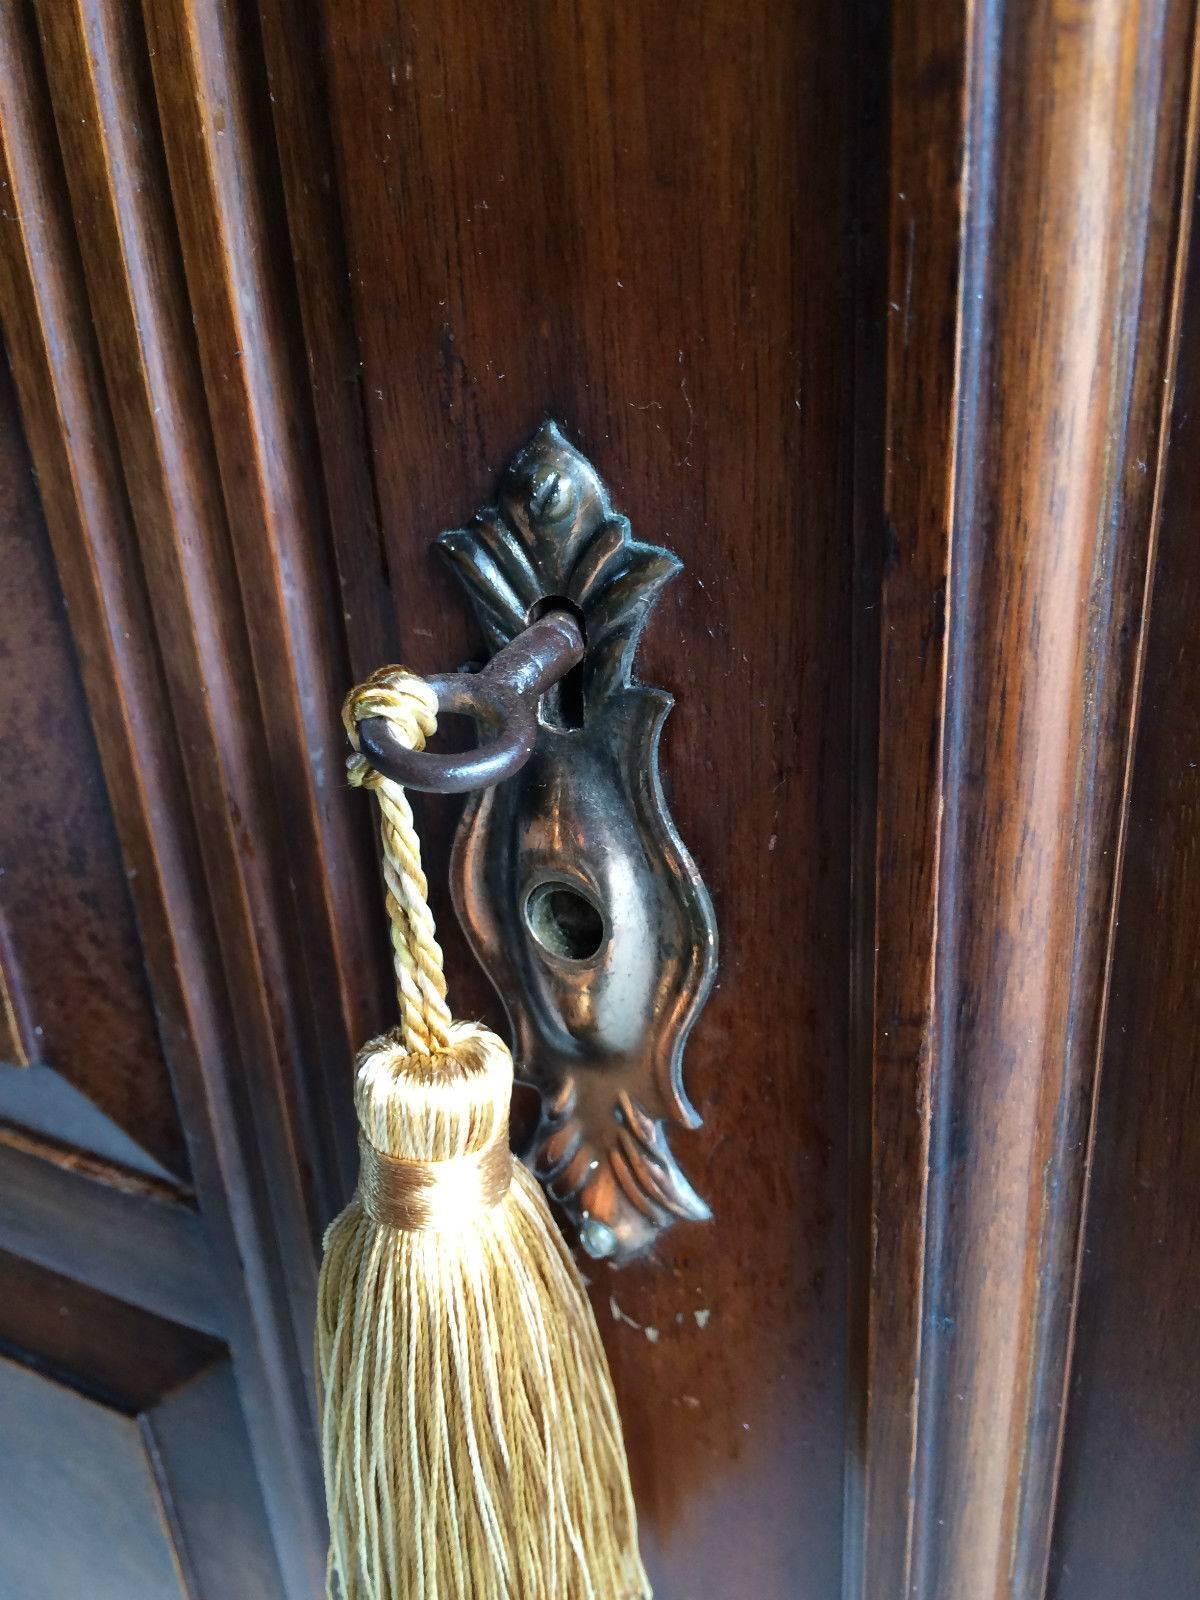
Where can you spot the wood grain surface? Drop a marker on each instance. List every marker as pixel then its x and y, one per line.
pixel 73 956
pixel 118 1233
pixel 1131 1468
pixel 144 557
pixel 639 221
pixel 118 1354
pixel 1031 302
pixel 870 314
pixel 111 1480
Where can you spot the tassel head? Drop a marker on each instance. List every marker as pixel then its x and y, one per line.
pixel 433 1131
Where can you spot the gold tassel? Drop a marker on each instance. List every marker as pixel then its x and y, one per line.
pixel 470 1435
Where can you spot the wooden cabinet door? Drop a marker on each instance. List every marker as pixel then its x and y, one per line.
pixel 881 317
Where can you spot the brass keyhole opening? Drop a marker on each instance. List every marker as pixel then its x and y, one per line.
pixel 564 922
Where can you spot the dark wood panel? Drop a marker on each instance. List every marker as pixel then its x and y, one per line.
pixel 104 1228
pixel 294 51
pixel 1131 1470
pixel 43 1104
pixel 196 1439
pixel 638 219
pixel 244 1114
pixel 74 960
pixel 76 1482
pixel 1037 166
pixel 99 75
pixel 126 1469
pixel 125 1357
pixel 316 941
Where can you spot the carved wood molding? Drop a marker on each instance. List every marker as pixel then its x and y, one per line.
pixel 117 1474
pixel 149 306
pixel 69 945
pixel 134 1240
pixel 1038 167
pixel 239 291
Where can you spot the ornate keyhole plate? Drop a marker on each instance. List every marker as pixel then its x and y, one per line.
pixel 571 881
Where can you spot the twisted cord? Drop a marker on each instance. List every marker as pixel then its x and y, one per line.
pixel 410 707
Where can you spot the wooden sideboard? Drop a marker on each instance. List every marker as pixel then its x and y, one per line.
pixel 886 318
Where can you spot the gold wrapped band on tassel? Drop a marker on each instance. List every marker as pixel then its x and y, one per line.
pixel 436 1195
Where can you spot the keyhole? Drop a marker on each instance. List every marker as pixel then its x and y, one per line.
pixel 562 705
pixel 564 922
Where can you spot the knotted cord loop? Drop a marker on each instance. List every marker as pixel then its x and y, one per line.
pixel 410 707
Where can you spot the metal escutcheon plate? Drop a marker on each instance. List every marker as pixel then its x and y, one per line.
pixel 574 888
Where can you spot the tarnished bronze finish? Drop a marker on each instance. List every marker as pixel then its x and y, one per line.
pixel 570 879
pixel 503 699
